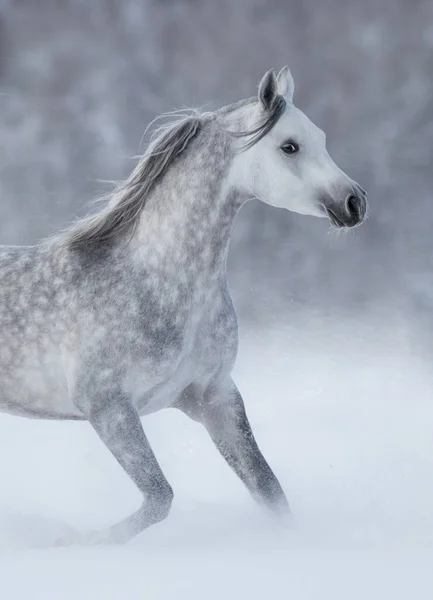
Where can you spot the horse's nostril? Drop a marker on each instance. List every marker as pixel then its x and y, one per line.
pixel 352 205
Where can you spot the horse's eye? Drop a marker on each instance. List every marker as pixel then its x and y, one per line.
pixel 290 147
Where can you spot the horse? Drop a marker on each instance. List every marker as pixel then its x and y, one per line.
pixel 127 311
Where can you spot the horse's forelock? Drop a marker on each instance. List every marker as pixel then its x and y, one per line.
pixel 267 121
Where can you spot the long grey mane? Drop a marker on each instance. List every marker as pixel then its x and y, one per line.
pixel 127 201
pixel 124 206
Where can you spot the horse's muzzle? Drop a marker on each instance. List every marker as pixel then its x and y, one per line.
pixel 351 212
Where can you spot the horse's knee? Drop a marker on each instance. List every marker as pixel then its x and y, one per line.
pixel 165 502
pixel 159 503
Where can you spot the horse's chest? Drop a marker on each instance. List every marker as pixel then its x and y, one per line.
pixel 213 339
pixel 207 345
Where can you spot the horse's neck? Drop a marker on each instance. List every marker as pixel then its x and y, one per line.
pixel 185 227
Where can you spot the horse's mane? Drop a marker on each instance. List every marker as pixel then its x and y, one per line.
pixel 124 206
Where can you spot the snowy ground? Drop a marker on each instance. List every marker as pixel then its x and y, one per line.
pixel 348 428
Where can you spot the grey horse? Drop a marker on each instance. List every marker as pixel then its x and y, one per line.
pixel 127 312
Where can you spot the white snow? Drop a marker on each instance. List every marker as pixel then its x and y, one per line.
pixel 347 426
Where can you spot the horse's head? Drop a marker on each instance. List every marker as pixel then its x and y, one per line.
pixel 286 164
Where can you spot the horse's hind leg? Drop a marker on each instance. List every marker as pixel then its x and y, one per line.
pixel 118 425
pixel 222 412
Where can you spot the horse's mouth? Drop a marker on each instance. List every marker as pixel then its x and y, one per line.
pixel 335 221
pixel 338 223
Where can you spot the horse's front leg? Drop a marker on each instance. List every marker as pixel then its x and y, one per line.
pixel 118 425
pixel 221 410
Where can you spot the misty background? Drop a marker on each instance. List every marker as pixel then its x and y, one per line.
pixel 80 81
pixel 335 345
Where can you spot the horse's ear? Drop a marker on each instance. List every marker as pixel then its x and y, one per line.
pixel 268 89
pixel 286 85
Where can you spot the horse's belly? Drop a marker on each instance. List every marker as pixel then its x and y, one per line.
pixel 34 385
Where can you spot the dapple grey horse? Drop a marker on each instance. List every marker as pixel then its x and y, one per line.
pixel 127 312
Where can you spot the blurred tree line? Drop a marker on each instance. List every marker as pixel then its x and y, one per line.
pixel 80 80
